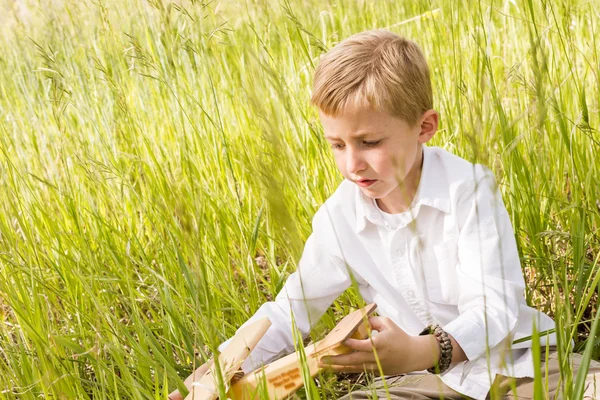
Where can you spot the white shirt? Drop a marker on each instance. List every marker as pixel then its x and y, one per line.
pixel 450 259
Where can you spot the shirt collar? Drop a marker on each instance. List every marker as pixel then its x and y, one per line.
pixel 433 191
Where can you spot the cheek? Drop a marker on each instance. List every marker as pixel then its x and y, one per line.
pixel 399 162
pixel 341 163
pixel 383 162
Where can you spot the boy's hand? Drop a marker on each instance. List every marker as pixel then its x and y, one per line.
pixel 194 377
pixel 397 351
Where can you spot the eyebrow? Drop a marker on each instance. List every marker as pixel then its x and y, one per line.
pixel 357 136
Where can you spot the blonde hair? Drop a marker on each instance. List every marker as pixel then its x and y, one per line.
pixel 376 69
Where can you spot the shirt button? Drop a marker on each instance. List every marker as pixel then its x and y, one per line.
pixel 410 294
pixel 400 252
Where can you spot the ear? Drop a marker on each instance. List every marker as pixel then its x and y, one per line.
pixel 429 125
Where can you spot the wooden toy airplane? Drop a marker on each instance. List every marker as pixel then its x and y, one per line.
pixel 283 377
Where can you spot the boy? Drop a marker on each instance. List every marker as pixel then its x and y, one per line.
pixel 424 233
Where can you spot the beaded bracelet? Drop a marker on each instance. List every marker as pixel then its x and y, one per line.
pixel 445 348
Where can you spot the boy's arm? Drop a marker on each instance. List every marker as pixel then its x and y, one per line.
pixel 306 295
pixel 489 271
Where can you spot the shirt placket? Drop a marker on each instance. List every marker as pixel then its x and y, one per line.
pixel 405 280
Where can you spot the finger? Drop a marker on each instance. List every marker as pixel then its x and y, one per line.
pixel 358 357
pixel 361 345
pixel 349 369
pixel 378 323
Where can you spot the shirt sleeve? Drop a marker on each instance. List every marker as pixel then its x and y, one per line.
pixel 489 270
pixel 305 297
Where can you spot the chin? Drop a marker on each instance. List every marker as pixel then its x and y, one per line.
pixel 370 193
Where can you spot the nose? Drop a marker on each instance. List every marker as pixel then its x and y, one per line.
pixel 354 161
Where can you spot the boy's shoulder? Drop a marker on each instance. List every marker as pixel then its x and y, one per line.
pixel 340 204
pixel 454 176
pixel 456 169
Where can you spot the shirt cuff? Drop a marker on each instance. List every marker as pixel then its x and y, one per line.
pixel 470 332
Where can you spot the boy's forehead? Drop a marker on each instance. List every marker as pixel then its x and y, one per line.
pixel 357 122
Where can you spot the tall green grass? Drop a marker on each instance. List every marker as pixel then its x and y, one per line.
pixel 160 166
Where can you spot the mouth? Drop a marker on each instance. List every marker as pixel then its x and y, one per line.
pixel 365 182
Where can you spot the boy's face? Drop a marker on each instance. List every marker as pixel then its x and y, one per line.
pixel 382 149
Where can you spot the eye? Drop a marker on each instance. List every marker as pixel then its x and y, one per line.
pixel 336 146
pixel 372 144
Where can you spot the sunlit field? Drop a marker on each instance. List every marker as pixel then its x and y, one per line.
pixel 160 165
